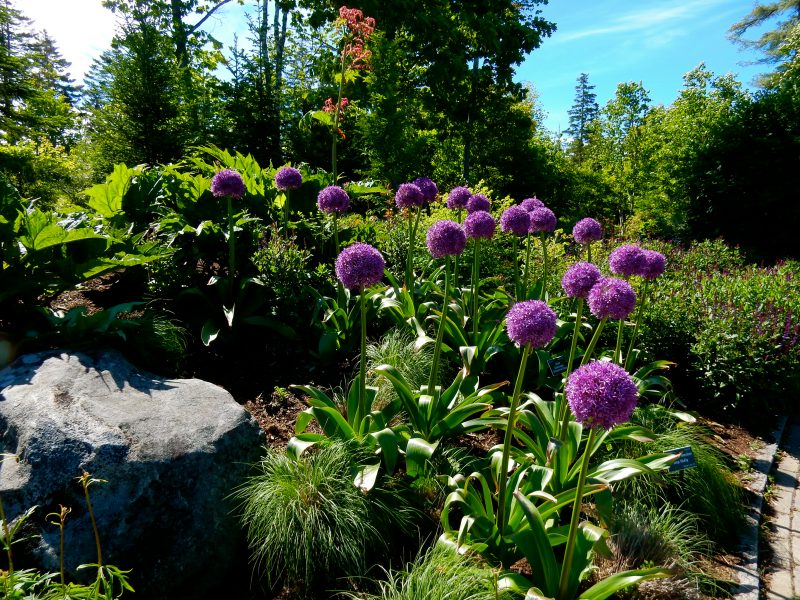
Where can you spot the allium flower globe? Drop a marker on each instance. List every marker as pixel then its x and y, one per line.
pixel 478 202
pixel 627 260
pixel 601 395
pixel 458 198
pixel 579 279
pixel 333 199
pixel 531 323
pixel 530 203
pixel 408 195
pixel 480 224
pixel 587 231
pixel 653 265
pixel 516 220
pixel 446 238
pixel 288 178
pixel 542 220
pixel 612 298
pixel 228 183
pixel 359 266
pixel 428 189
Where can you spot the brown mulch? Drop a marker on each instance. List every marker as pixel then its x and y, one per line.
pixel 276 415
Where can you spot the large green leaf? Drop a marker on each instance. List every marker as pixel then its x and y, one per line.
pixel 619 581
pixel 106 198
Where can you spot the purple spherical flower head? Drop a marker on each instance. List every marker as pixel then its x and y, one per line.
pixel 480 224
pixel 288 178
pixel 446 238
pixel 612 298
pixel 626 260
pixel 478 202
pixel 458 198
pixel 516 220
pixel 333 199
pixel 228 183
pixel 359 266
pixel 654 264
pixel 408 195
pixel 531 322
pixel 580 279
pixel 542 219
pixel 530 203
pixel 428 189
pixel 587 231
pixel 601 395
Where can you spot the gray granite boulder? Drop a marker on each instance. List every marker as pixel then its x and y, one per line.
pixel 171 450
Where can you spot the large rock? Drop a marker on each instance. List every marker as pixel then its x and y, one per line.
pixel 171 450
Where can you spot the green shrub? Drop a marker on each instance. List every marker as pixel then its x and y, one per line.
pixel 397 349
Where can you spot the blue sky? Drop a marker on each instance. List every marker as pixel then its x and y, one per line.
pixel 652 41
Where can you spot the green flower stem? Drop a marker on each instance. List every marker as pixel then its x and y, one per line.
pixel 563 585
pixel 85 482
pixel 455 258
pixel 618 348
pixel 437 348
pixel 412 238
pixel 589 252
pixel 362 367
pixel 7 542
pixel 527 281
pixel 593 342
pixel 475 284
pixel 545 271
pixel 516 269
pixel 562 415
pixel 231 240
pixel 286 214
pixel 512 417
pixel 639 314
pixel 336 231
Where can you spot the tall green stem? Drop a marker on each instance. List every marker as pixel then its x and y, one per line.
pixel 639 314
pixel 475 285
pixel 412 238
pixel 589 252
pixel 85 482
pixel 517 295
pixel 362 367
pixel 231 242
pixel 545 273
pixel 564 583
pixel 593 342
pixel 437 348
pixel 618 348
pixel 527 281
pixel 286 214
pixel 336 231
pixel 562 432
pixel 512 417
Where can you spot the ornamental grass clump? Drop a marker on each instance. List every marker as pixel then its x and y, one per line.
pixel 478 226
pixel 333 200
pixel 358 267
pixel 516 221
pixel 531 325
pixel 444 239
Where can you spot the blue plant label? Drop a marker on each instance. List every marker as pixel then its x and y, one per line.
pixel 557 365
pixel 685 459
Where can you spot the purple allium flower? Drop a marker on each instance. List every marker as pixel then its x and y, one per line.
pixel 516 220
pixel 428 189
pixel 580 279
pixel 542 219
pixel 626 260
pixel 359 266
pixel 446 238
pixel 530 203
pixel 408 195
pixel 288 178
pixel 587 231
pixel 333 199
pixel 613 298
pixel 531 322
pixel 458 198
pixel 478 202
pixel 480 224
pixel 228 183
pixel 601 395
pixel 654 264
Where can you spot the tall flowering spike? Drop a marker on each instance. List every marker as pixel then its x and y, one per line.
pixel 228 183
pixel 579 279
pixel 530 203
pixel 359 266
pixel 587 231
pixel 654 264
pixel 612 298
pixel 601 395
pixel 542 220
pixel 627 260
pixel 288 178
pixel 478 202
pixel 531 322
pixel 333 199
pixel 408 195
pixel 480 224
pixel 446 238
pixel 458 198
pixel 428 189
pixel 516 220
